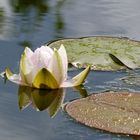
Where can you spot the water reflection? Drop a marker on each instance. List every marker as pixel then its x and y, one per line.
pixel 59 22
pixel 25 6
pixel 25 44
pixel 82 91
pixel 2 18
pixel 26 20
pixel 6 14
pixel 21 18
pixel 30 16
pixel 135 137
pixel 50 100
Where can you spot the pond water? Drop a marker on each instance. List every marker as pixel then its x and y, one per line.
pixel 35 22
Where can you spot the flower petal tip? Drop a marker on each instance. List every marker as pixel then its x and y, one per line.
pixel 79 79
pixel 8 73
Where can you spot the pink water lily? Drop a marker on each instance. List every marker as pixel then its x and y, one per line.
pixel 45 68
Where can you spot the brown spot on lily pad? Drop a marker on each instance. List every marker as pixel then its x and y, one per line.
pixel 116 112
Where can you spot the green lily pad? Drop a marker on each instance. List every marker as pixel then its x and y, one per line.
pixel 101 52
pixel 110 111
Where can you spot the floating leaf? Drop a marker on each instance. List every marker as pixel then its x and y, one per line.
pixel 110 111
pixel 98 52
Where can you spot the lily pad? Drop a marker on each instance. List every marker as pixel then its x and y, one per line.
pixel 110 111
pixel 101 52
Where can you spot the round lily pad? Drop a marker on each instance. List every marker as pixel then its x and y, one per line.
pixel 101 52
pixel 110 111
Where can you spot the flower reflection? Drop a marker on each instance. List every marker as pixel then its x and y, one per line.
pixel 59 20
pixel 25 6
pixel 49 100
pixel 82 91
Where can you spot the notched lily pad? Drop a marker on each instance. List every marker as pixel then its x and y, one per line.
pixel 97 52
pixel 110 111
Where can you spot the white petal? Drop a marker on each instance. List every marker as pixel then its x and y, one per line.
pixel 68 83
pixel 32 62
pixel 41 57
pixel 26 68
pixel 17 79
pixel 63 55
pixel 47 49
pixel 28 52
pixel 55 67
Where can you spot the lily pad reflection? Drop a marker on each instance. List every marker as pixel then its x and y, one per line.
pixel 50 100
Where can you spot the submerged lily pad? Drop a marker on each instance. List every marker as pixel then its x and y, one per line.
pixel 110 111
pixel 101 52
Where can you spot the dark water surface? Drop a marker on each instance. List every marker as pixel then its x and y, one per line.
pixel 35 22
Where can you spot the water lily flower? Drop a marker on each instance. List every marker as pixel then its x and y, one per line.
pixel 45 68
